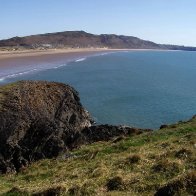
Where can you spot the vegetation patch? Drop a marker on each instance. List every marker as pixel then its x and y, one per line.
pixel 183 153
pixel 180 186
pixel 115 183
pixel 132 159
pixel 167 167
pixel 162 163
pixel 16 192
pixel 51 191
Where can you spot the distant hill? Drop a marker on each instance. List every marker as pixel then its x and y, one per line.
pixel 82 39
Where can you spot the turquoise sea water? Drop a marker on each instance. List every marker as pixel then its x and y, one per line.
pixel 137 88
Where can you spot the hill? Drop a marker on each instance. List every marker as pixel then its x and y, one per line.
pixel 81 39
pixel 160 162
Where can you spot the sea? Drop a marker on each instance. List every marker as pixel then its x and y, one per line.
pixel 137 88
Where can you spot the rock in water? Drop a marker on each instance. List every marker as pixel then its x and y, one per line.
pixel 37 120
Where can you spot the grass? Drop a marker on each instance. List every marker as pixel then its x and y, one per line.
pixel 139 165
pixel 4 90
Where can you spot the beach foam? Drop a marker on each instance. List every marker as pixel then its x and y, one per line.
pixel 58 66
pixel 13 75
pixel 2 79
pixel 45 67
pixel 81 59
pixel 17 74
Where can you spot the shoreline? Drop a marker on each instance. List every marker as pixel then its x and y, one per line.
pixel 15 63
pixel 34 52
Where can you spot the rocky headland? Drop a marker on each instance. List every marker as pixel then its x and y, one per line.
pixel 49 145
pixel 44 119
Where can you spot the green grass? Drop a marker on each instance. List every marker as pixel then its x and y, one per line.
pixel 136 165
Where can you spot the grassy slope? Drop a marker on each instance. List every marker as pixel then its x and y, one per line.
pixel 137 165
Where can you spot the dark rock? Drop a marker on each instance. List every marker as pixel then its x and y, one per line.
pixel 102 133
pixel 163 126
pixel 37 121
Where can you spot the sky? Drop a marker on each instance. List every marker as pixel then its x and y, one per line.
pixel 161 21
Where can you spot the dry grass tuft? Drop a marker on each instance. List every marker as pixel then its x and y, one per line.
pixel 183 153
pixel 179 186
pixel 135 158
pixel 166 167
pixel 51 191
pixel 115 183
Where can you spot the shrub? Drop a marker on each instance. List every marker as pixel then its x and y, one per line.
pixel 176 187
pixel 133 159
pixel 167 167
pixel 183 153
pixel 115 183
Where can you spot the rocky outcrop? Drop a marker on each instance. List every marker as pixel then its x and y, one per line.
pixel 41 119
pixel 37 118
pixel 102 133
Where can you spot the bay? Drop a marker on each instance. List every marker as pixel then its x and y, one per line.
pixel 139 88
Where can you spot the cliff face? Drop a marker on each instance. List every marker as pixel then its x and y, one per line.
pixel 36 120
pixel 42 120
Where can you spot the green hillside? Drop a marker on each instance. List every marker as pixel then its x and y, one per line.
pixel 163 160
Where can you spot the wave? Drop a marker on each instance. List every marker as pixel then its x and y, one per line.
pixel 106 53
pixel 81 59
pixel 13 75
pixel 58 66
pixel 17 74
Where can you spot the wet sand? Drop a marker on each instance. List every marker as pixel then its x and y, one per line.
pixel 23 61
pixel 13 63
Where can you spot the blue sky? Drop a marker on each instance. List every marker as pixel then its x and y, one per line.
pixel 161 21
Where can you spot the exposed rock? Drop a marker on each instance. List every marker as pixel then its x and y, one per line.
pixel 37 120
pixel 163 126
pixel 102 133
pixel 44 119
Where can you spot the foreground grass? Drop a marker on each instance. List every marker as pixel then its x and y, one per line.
pixel 136 165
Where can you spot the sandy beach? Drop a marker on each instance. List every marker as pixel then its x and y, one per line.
pixel 18 62
pixel 30 53
pixel 13 63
